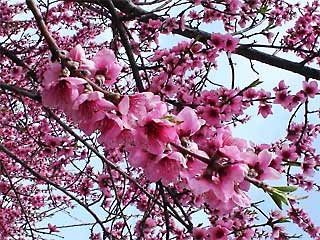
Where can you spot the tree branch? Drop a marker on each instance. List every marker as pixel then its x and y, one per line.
pixel 125 41
pixel 21 91
pixel 57 186
pixel 44 30
pixel 127 7
pixel 13 57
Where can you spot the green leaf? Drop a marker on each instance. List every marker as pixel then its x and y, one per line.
pixel 270 26
pixel 294 164
pixel 263 10
pixel 282 220
pixel 171 119
pixel 292 197
pixel 286 189
pixel 197 38
pixel 251 85
pixel 255 83
pixel 277 200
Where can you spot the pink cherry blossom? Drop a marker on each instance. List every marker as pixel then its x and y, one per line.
pixel 106 65
pixel 260 165
pixel 166 169
pixel 199 233
pixel 217 40
pixel 265 109
pixel 230 41
pixel 188 122
pixel 62 92
pixel 78 54
pixel 218 233
pixel 88 106
pixel 111 128
pixel 155 134
pixel 53 228
pixel 104 184
pixel 135 109
pixel 310 88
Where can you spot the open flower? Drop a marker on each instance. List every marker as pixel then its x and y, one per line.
pixel 107 66
pixel 155 134
pixel 259 165
pixel 88 105
pixel 188 122
pixel 62 92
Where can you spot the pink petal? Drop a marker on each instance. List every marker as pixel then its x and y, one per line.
pixel 77 53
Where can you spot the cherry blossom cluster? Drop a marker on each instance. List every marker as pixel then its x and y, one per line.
pixel 153 161
pixel 165 146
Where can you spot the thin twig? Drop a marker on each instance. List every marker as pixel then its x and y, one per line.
pixel 166 215
pixel 126 44
pixel 55 51
pixel 57 186
pixel 128 7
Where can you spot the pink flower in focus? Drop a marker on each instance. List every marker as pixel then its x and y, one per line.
pixel 164 167
pixel 78 54
pixel 234 5
pixel 288 153
pixel 136 108
pixel 259 165
pixel 139 157
pixel 88 106
pixel 230 43
pixel 211 115
pixel 107 66
pixel 265 109
pixel 218 233
pixel 155 134
pixel 51 75
pixel 170 24
pixel 111 128
pixel 167 168
pixel 62 92
pixel 218 206
pixel 229 177
pixel 217 40
pixel 199 234
pixel 188 122
pixel 310 88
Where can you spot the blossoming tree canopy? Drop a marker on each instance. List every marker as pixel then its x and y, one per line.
pixel 114 123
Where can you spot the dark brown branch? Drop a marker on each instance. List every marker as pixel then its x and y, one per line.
pixel 55 51
pixel 125 41
pixel 166 215
pixel 12 56
pixel 278 62
pixel 232 72
pixel 21 91
pixel 127 7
